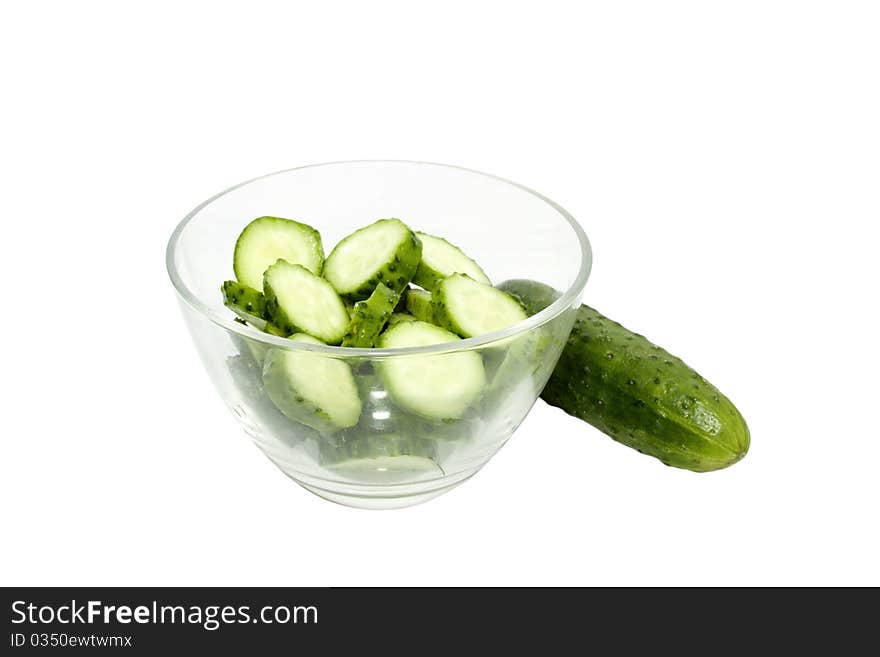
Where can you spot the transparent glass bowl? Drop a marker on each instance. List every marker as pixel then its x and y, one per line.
pixel 510 230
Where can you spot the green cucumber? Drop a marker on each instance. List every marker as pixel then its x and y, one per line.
pixel 316 390
pixel 386 251
pixel 380 458
pixel 470 308
pixel 439 386
pixel 638 393
pixel 369 318
pixel 298 301
pixel 397 317
pixel 274 329
pixel 268 239
pixel 418 303
pixel 246 302
pixel 441 259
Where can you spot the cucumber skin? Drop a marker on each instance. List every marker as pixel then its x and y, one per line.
pixel 418 304
pixel 246 302
pixel 369 318
pixel 638 393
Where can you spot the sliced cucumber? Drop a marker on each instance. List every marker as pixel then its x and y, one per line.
pixel 316 390
pixel 384 252
pixel 298 301
pixel 396 318
pixel 268 239
pixel 369 318
pixel 441 259
pixel 469 308
pixel 380 458
pixel 246 302
pixel 275 330
pixel 438 387
pixel 418 303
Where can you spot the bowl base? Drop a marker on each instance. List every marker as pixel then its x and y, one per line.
pixel 382 497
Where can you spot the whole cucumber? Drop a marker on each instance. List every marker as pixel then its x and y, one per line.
pixel 638 393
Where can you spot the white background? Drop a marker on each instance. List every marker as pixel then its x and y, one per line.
pixel 724 158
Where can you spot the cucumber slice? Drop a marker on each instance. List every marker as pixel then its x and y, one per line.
pixel 315 390
pixel 418 303
pixel 273 329
pixel 396 318
pixel 439 387
pixel 380 458
pixel 469 308
pixel 441 259
pixel 298 301
pixel 384 252
pixel 246 302
pixel 268 239
pixel 369 318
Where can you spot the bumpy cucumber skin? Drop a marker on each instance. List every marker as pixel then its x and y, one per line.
pixel 281 319
pixel 369 318
pixel 396 274
pixel 418 303
pixel 428 277
pixel 638 393
pixel 246 302
pixel 439 305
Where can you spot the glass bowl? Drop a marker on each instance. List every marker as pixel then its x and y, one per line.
pixel 391 458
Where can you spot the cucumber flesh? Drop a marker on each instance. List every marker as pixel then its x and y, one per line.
pixel 268 239
pixel 441 259
pixel 441 386
pixel 246 302
pixel 386 251
pixel 418 303
pixel 369 318
pixel 316 390
pixel 396 318
pixel 298 301
pixel 638 393
pixel 470 308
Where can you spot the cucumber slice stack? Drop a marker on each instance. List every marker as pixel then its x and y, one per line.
pixel 377 417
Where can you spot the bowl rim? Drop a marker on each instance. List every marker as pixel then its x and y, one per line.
pixel 538 319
